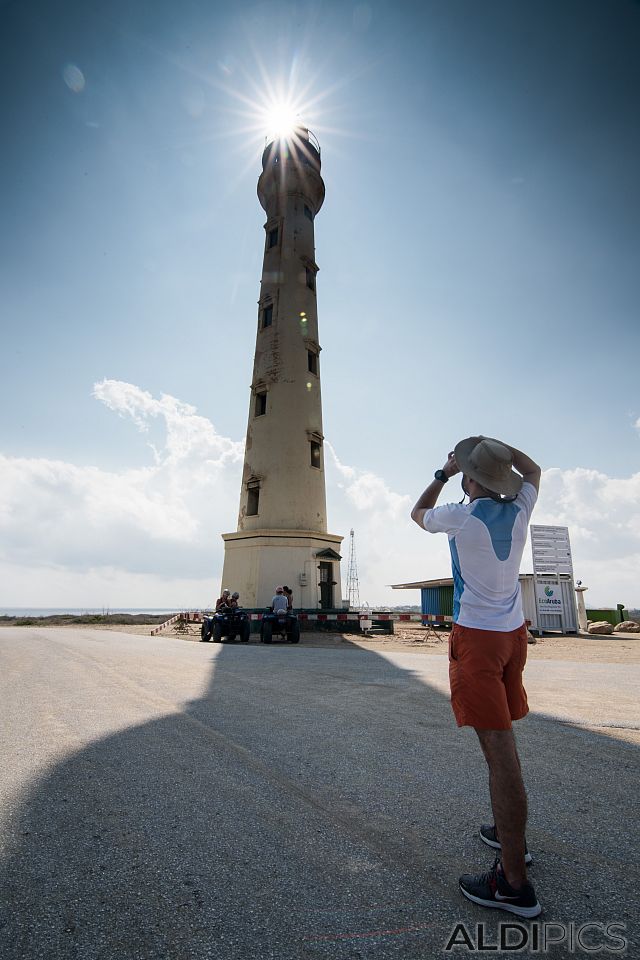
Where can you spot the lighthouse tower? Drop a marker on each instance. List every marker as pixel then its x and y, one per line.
pixel 282 523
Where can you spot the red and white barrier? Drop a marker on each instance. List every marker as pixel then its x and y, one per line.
pixel 372 615
pixel 167 623
pixel 195 616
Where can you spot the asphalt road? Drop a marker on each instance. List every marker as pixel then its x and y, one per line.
pixel 181 801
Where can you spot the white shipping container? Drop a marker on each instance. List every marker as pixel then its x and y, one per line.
pixel 566 621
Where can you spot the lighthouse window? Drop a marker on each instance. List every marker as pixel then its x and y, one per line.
pixel 307 212
pixel 272 238
pixel 312 361
pixel 311 279
pixel 261 404
pixel 267 315
pixel 253 499
pixel 315 454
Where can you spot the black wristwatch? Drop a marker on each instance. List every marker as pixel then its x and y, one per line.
pixel 441 476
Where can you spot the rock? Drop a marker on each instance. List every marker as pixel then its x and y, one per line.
pixel 627 626
pixel 601 626
pixel 531 638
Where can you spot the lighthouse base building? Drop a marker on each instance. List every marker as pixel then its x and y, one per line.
pixel 308 563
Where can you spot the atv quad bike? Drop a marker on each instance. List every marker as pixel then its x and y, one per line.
pixel 229 623
pixel 281 626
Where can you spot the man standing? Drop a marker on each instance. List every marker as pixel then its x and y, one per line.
pixel 488 642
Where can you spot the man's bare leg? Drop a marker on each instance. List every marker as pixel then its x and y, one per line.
pixel 508 800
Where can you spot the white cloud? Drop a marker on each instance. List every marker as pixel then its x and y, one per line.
pixel 390 548
pixel 368 492
pixel 162 521
pixel 187 434
pixel 101 588
pixel 83 536
pixel 603 516
pixel 602 510
pixel 602 513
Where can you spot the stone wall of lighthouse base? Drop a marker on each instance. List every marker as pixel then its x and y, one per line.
pixel 256 562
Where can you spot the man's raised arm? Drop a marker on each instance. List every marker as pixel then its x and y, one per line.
pixel 429 497
pixel 529 469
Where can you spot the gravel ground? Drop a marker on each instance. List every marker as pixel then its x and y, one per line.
pixel 163 799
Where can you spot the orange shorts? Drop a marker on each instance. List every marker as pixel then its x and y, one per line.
pixel 485 674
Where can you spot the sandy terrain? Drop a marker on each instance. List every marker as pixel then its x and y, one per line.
pixel 413 638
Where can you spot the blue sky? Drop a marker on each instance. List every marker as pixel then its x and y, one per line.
pixel 479 264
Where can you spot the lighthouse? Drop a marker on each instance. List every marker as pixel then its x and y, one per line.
pixel 282 536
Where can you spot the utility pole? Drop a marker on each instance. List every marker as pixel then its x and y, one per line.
pixel 353 587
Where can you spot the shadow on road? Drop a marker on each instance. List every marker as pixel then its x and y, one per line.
pixel 311 804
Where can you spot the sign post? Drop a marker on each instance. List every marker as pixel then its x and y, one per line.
pixel 548 598
pixel 551 552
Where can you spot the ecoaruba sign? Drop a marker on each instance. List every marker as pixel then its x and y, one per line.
pixel 548 598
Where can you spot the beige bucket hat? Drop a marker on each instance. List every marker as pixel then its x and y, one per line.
pixel 488 462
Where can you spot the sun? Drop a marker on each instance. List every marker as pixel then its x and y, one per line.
pixel 291 107
pixel 281 119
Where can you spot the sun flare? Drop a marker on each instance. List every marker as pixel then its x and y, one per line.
pixel 271 108
pixel 281 119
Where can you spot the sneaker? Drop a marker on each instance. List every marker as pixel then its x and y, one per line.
pixel 492 890
pixel 489 836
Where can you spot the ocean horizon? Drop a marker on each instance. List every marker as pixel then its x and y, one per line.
pixel 84 611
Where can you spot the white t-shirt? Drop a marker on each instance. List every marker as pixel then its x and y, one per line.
pixel 486 539
pixel 279 603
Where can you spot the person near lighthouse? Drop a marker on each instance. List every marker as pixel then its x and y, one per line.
pixel 223 600
pixel 280 604
pixel 488 642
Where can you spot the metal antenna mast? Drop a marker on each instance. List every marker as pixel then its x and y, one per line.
pixel 353 587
